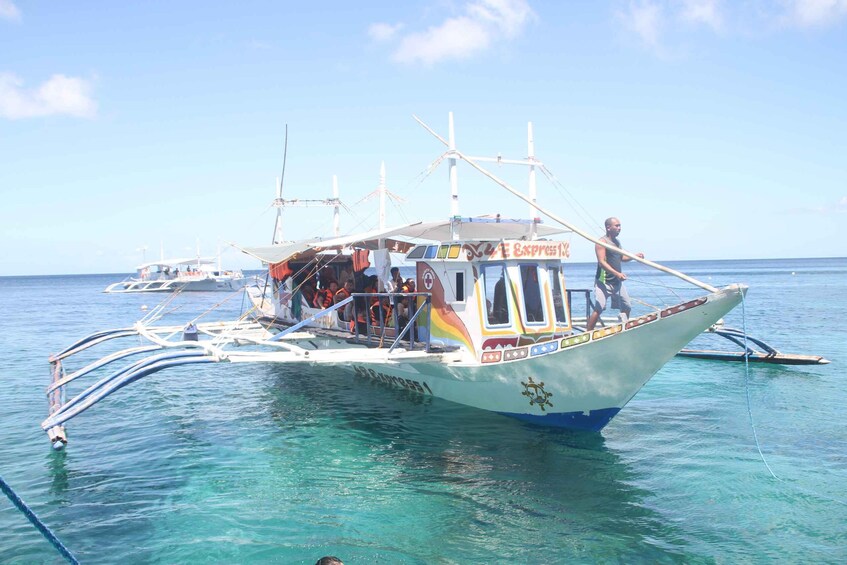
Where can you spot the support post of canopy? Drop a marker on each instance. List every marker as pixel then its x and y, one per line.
pixel 533 211
pixel 454 182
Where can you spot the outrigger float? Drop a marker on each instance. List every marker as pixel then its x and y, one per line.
pixel 488 325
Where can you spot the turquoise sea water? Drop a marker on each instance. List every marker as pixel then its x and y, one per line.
pixel 262 464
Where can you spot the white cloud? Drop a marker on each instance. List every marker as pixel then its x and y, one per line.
pixel 60 95
pixel 510 16
pixel 655 22
pixel 706 12
pixel 461 37
pixel 383 31
pixel 456 38
pixel 812 13
pixel 841 205
pixel 645 19
pixel 8 11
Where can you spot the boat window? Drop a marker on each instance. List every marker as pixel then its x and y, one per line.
pixel 496 296
pixel 533 307
pixel 442 251
pixel 454 251
pixel 430 251
pixel 558 295
pixel 456 286
pixel 417 252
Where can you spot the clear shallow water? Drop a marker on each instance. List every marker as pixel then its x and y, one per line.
pixel 260 464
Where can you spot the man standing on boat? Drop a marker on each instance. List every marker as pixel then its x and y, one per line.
pixel 608 282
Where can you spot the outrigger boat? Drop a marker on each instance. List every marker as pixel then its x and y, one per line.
pixel 172 275
pixel 489 323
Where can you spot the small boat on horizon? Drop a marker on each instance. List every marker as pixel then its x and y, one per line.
pixel 171 275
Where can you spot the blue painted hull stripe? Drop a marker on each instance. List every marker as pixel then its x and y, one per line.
pixel 595 421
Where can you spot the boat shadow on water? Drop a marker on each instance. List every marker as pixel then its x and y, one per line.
pixel 567 483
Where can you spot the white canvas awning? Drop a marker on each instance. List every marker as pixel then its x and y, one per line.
pixel 395 239
pixel 179 262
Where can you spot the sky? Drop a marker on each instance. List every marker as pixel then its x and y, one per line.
pixel 713 129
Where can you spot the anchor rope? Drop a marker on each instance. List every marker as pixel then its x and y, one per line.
pixel 747 388
pixel 750 415
pixel 39 525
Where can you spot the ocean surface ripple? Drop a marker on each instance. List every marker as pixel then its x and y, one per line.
pixel 264 464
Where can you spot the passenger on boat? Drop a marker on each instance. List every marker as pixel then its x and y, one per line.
pixel 394 283
pixel 408 286
pixel 343 293
pixel 402 312
pixel 386 312
pixel 327 276
pixel 370 287
pixel 344 275
pixel 608 281
pixel 307 287
pixel 324 296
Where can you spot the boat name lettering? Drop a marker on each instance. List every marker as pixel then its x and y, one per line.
pixel 518 249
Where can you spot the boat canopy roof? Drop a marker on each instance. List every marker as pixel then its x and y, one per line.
pixel 179 262
pixel 484 228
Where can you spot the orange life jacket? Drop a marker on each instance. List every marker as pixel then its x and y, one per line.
pixel 323 298
pixel 360 260
pixel 280 271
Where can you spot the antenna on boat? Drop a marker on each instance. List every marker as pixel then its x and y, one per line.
pixel 278 202
pixel 381 189
pixel 336 205
pixel 533 211
pixel 384 195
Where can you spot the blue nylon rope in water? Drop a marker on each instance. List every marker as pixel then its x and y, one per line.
pixel 45 531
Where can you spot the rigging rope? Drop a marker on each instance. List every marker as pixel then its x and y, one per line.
pixel 39 525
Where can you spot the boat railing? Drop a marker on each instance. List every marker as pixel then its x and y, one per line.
pixel 586 294
pixel 376 330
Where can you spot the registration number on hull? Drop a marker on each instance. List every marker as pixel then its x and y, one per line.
pixel 400 382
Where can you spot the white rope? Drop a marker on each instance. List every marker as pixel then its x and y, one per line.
pixel 750 415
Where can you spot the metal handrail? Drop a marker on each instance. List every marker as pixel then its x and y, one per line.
pixel 312 318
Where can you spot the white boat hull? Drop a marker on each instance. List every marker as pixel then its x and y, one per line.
pixel 560 383
pixel 220 284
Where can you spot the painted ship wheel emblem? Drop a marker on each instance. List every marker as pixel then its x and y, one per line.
pixel 536 394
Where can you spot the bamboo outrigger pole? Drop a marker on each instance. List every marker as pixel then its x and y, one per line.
pixel 568 225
